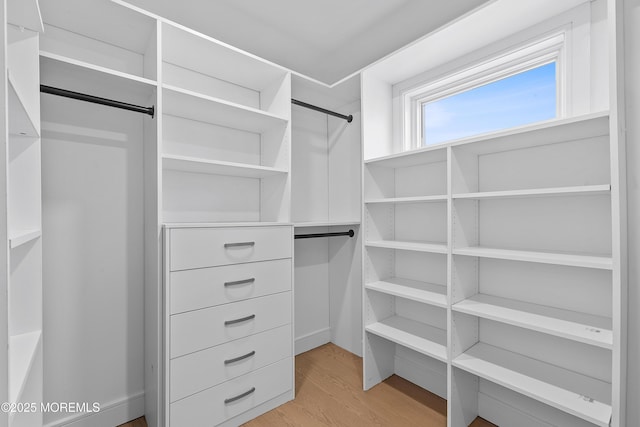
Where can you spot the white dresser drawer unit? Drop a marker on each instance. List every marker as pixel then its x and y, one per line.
pixel 229 399
pixel 208 327
pixel 210 247
pixel 204 369
pixel 207 287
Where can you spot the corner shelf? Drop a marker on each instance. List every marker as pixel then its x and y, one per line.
pixel 436 248
pixel 21 237
pixel 195 106
pixel 557 258
pixel 576 394
pixel 406 200
pixel 586 190
pixel 22 353
pixel 581 327
pixel 216 167
pixel 417 336
pixel 20 121
pixel 423 292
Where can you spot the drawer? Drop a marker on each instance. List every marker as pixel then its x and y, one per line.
pixel 210 247
pixel 217 404
pixel 207 287
pixel 208 327
pixel 204 369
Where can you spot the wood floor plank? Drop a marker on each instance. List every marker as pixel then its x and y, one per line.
pixel 329 393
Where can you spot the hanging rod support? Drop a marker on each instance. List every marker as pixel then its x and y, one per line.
pixel 348 118
pixel 96 100
pixel 349 233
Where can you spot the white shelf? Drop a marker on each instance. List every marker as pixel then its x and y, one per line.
pixel 542 133
pixel 79 76
pixel 400 200
pixel 223 224
pixel 23 236
pixel 568 259
pixel 214 167
pixel 25 13
pixel 195 106
pixel 405 159
pixel 230 64
pixel 437 248
pixel 417 336
pixel 576 394
pixel 586 190
pixel 20 121
pixel 581 327
pixel 22 352
pixel 325 224
pixel 423 292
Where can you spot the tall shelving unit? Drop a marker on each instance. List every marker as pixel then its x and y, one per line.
pixel 494 265
pixel 24 214
pixel 216 153
pixel 525 294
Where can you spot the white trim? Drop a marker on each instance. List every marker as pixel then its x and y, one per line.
pixel 111 414
pixel 312 340
pixel 545 50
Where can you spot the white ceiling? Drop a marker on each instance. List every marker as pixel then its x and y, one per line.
pixel 327 40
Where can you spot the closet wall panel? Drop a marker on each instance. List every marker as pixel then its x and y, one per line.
pixel 93 265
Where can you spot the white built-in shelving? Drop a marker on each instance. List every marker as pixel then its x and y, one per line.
pixel 236 110
pixel 24 212
pixel 523 225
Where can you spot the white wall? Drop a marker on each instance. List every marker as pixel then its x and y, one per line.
pixel 632 89
pixel 93 260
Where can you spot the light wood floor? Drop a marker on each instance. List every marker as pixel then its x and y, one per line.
pixel 329 393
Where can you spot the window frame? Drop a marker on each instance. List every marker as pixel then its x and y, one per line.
pixel 544 50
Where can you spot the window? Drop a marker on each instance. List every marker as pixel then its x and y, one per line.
pixel 526 97
pixel 525 85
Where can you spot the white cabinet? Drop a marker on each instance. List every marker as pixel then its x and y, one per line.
pixel 229 352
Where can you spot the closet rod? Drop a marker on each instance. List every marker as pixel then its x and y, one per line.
pixel 348 118
pixel 96 100
pixel 349 233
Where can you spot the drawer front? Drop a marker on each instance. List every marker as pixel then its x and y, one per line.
pixel 208 287
pixel 204 369
pixel 210 247
pixel 208 327
pixel 208 408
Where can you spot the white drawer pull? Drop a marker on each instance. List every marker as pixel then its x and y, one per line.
pixel 242 319
pixel 239 244
pixel 239 358
pixel 240 396
pixel 239 282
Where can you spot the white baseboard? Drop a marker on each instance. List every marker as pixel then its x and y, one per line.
pixel 111 414
pixel 314 339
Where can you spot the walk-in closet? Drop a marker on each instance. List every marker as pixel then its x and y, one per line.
pixel 294 213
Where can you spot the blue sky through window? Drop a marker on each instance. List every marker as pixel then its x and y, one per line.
pixel 513 101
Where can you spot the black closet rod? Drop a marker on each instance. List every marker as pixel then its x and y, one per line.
pixel 96 100
pixel 348 118
pixel 349 233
